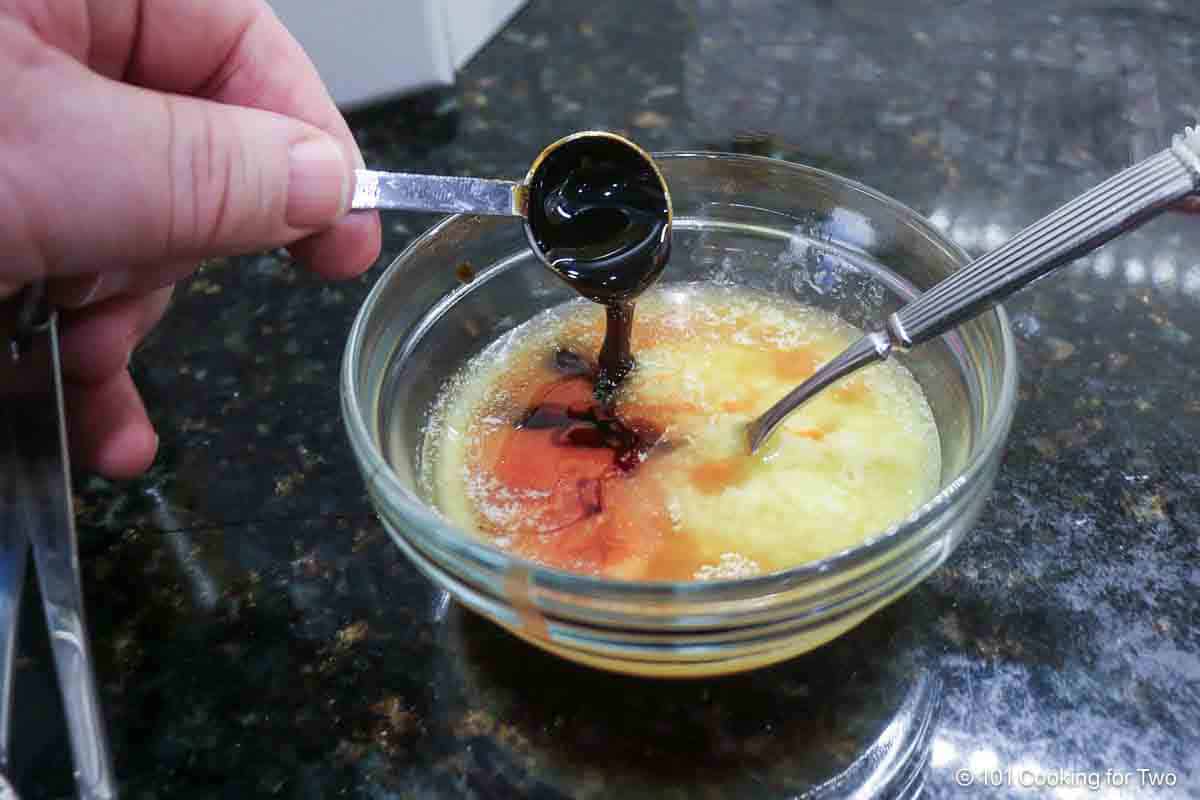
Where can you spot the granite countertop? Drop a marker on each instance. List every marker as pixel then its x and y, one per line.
pixel 257 634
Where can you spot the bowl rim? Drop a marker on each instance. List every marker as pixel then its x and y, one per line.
pixel 444 534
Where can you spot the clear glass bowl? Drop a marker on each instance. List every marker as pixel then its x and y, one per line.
pixel 739 220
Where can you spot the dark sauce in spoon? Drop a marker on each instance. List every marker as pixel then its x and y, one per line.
pixel 599 213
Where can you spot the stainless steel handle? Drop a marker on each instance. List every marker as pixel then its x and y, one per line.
pixel 14 554
pixel 1121 203
pixel 403 191
pixel 38 510
pixel 56 556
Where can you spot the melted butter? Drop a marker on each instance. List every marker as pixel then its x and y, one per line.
pixel 689 503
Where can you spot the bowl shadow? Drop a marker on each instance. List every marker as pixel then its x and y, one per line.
pixel 813 726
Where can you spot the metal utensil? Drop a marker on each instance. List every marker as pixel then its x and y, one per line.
pixel 403 191
pixel 38 510
pixel 446 194
pixel 1120 204
pixel 14 544
pixel 14 554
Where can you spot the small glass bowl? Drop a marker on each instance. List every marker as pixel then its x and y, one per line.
pixel 745 221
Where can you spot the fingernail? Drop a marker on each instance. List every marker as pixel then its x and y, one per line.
pixel 318 183
pixel 76 292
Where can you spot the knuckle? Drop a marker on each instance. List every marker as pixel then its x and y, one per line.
pixel 205 170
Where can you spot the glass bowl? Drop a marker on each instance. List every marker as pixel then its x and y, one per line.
pixel 744 221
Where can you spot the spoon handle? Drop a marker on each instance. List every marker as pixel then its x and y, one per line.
pixel 1120 204
pixel 445 194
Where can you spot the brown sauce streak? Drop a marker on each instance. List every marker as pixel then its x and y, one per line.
pixel 574 457
pixel 599 214
pixel 464 272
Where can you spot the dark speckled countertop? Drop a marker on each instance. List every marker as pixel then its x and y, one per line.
pixel 257 634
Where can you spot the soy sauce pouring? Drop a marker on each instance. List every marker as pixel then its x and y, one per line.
pixel 597 213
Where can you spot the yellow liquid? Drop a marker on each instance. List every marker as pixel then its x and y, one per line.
pixel 695 505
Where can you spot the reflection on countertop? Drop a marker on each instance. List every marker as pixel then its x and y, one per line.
pixel 258 634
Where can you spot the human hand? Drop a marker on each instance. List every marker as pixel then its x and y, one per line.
pixel 137 138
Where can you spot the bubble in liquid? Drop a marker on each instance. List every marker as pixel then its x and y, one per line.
pixel 1026 325
pixel 730 565
pixel 809 269
pixel 824 276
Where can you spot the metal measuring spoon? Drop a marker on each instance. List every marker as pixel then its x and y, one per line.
pixel 597 213
pixel 1120 204
pixel 621 273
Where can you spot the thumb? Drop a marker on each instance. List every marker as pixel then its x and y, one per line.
pixel 161 178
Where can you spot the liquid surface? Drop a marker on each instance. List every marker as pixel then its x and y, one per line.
pixel 657 484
